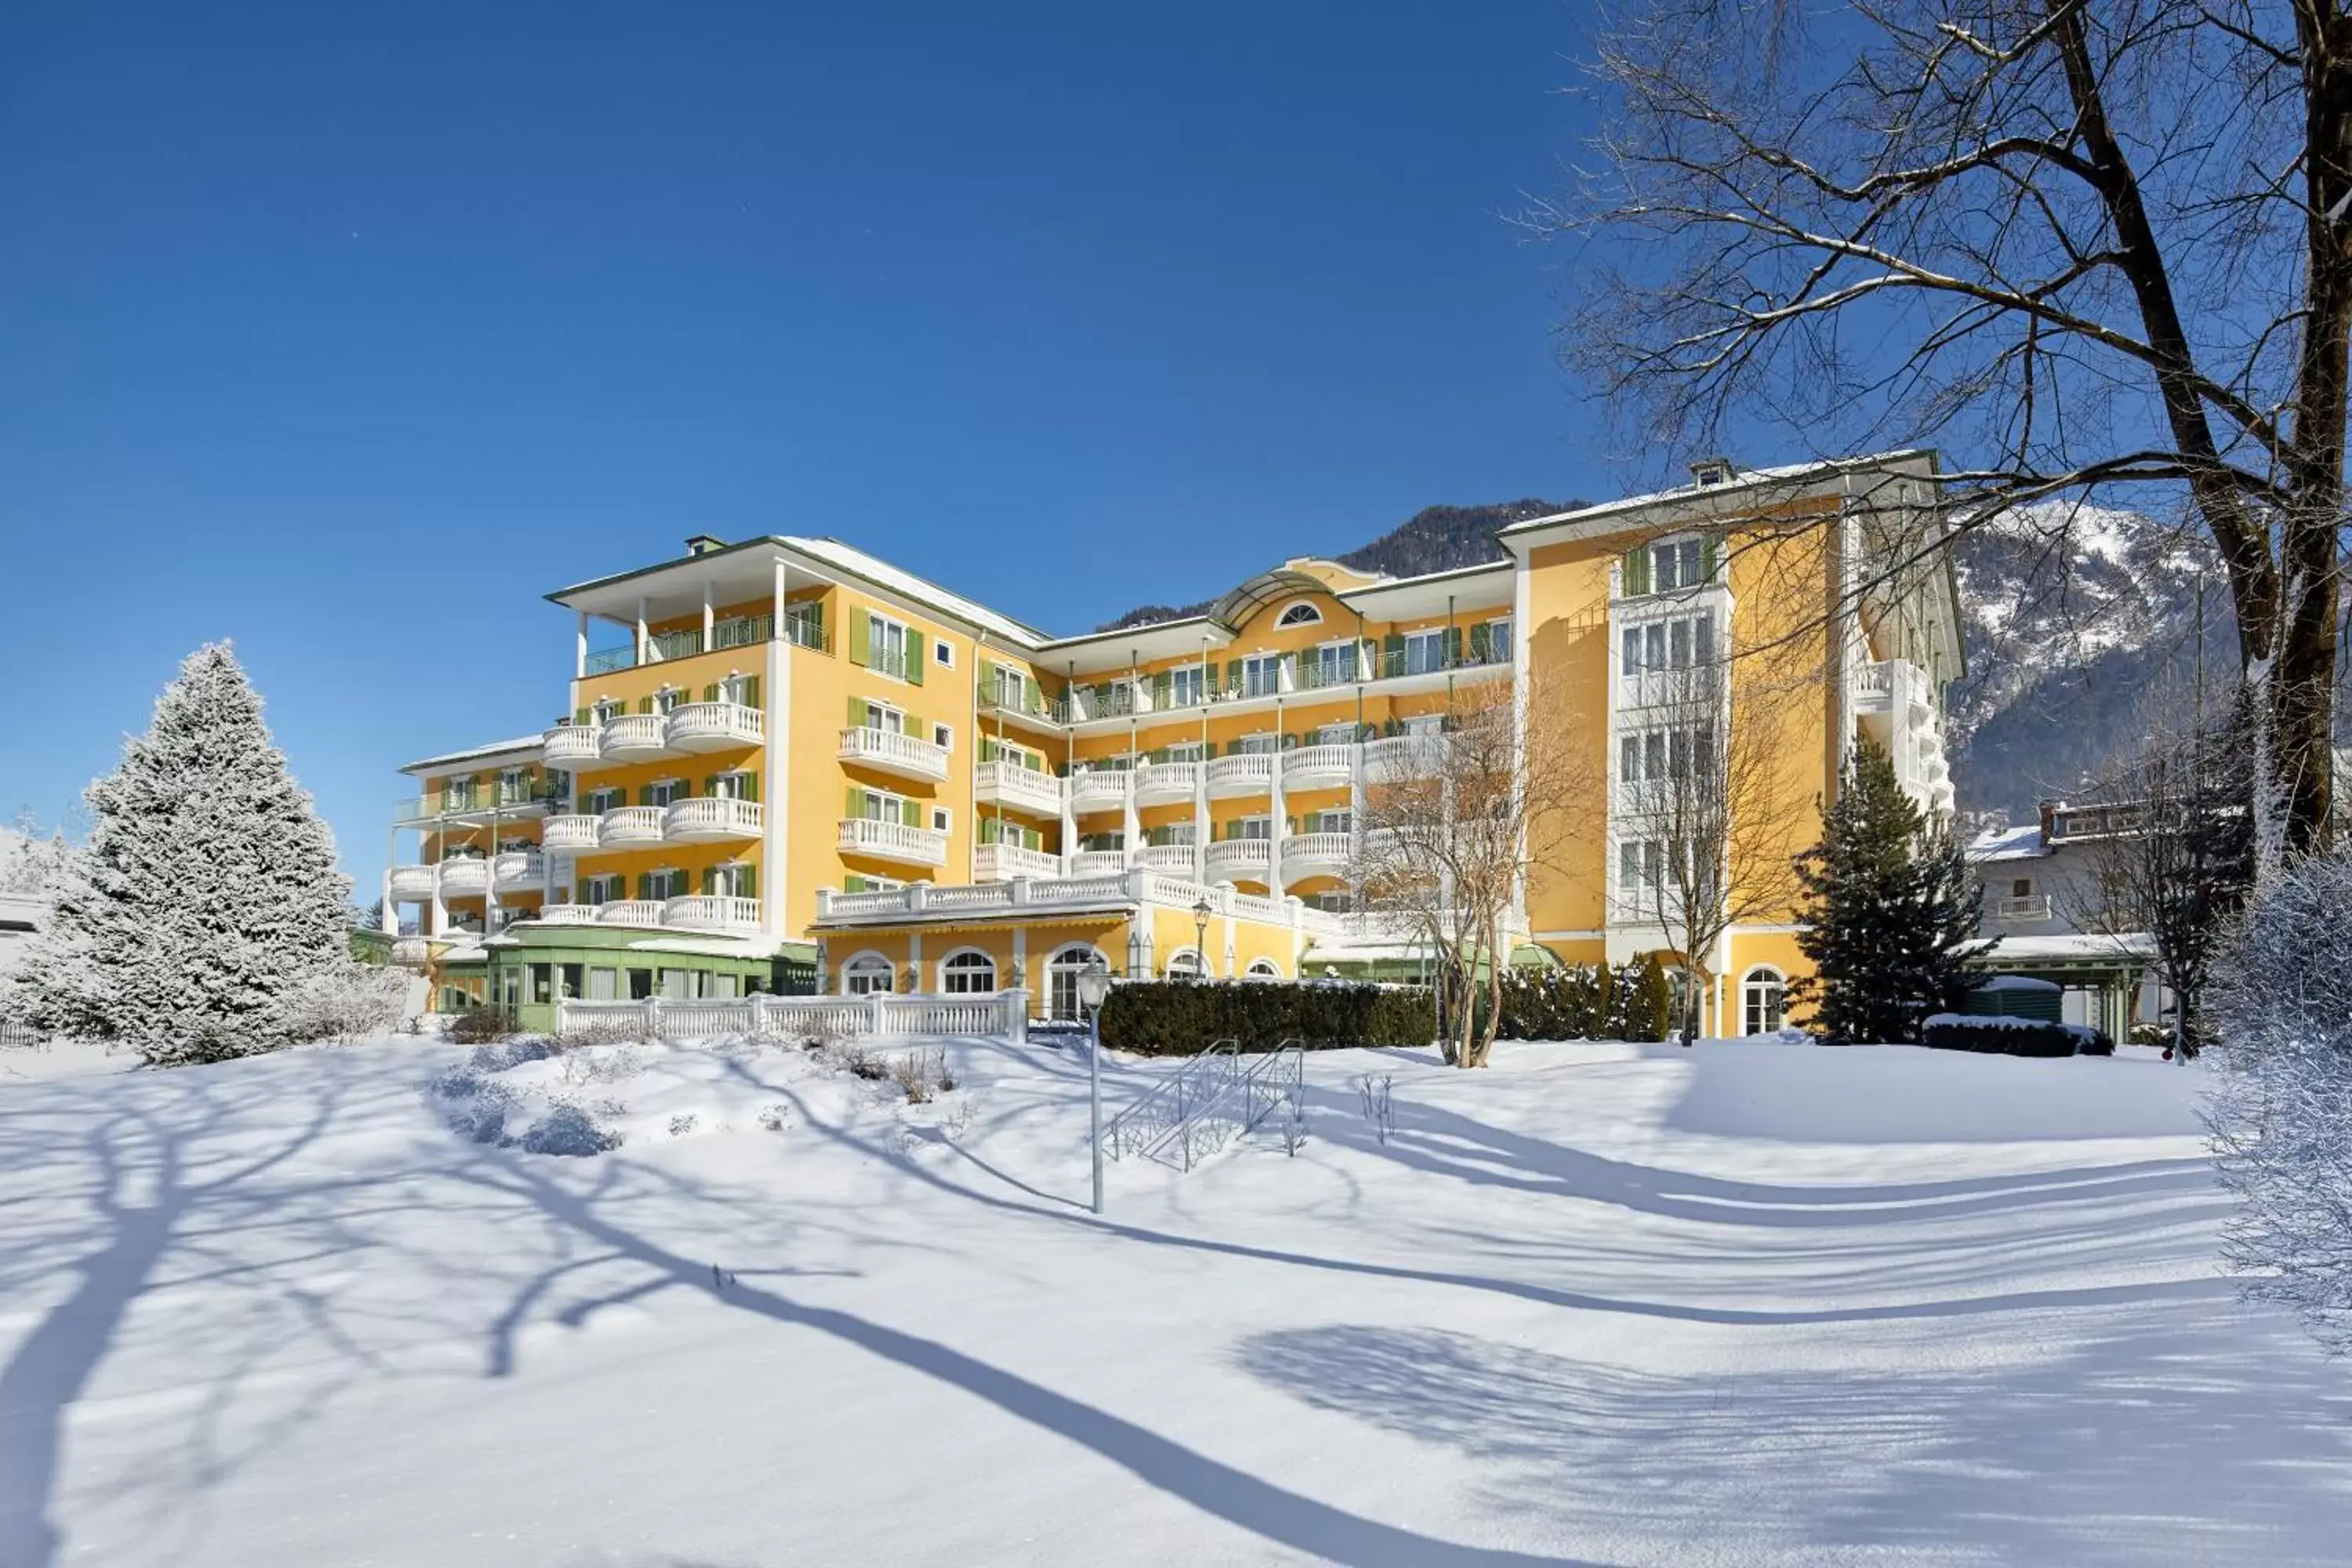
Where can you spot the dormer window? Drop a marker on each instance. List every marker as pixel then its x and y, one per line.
pixel 1300 615
pixel 1710 472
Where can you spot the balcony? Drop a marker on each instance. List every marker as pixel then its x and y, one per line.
pixel 574 745
pixel 1100 789
pixel 1097 862
pixel 1176 859
pixel 1239 860
pixel 1315 855
pixel 711 819
pixel 714 727
pixel 1319 767
pixel 906 755
pixel 519 868
pixel 635 737
pixel 630 912
pixel 893 841
pixel 508 800
pixel 570 832
pixel 1001 782
pixel 1166 783
pixel 1398 757
pixel 411 951
pixel 630 824
pixel 1003 862
pixel 412 884
pixel 465 879
pixel 1244 773
pixel 709 912
pixel 2033 907
pixel 567 915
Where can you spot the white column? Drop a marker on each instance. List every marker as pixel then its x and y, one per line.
pixel 579 649
pixel 775 863
pixel 710 618
pixel 1276 828
pixel 387 917
pixel 437 915
pixel 1070 829
pixel 643 641
pixel 915 956
pixel 1201 823
pixel 1019 975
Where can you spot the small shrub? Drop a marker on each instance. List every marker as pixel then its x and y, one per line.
pixel 922 1074
pixel 1179 1018
pixel 569 1130
pixel 477 1025
pixel 865 1064
pixel 681 1124
pixel 601 1032
pixel 2003 1035
pixel 510 1051
pixel 349 1002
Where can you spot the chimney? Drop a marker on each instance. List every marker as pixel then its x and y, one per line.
pixel 703 544
pixel 2049 820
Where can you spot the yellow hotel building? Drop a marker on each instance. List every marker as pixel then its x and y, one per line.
pixel 787 764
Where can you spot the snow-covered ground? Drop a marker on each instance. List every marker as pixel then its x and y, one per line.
pixel 1741 1304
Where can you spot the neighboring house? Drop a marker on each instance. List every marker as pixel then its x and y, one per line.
pixel 801 767
pixel 2039 879
pixel 21 915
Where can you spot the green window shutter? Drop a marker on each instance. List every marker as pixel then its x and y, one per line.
pixel 1392 653
pixel 989 828
pixel 858 712
pixel 1481 644
pixel 645 794
pixel 750 691
pixel 1453 647
pixel 860 632
pixel 911 811
pixel 711 692
pixel 750 786
pixel 583 715
pixel 710 783
pixel 1707 558
pixel 987 749
pixel 1032 839
pixel 1163 684
pixel 852 883
pixel 645 884
pixel 917 656
pixel 1633 573
pixel 856 806
pixel 1208 750
pixel 709 880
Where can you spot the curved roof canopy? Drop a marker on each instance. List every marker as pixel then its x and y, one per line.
pixel 1267 588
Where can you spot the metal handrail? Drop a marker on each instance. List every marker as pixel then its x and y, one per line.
pixel 1208 1103
pixel 1155 1116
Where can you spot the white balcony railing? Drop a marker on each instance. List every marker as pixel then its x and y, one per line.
pixel 464 878
pixel 1319 767
pixel 412 884
pixel 714 727
pixel 1174 858
pixel 571 745
pixel 630 912
pixel 519 868
pixel 1003 862
pixel 1097 862
pixel 1316 853
pixel 1239 859
pixel 712 911
pixel 636 735
pixel 712 817
pixel 2032 907
pixel 630 824
pixel 568 915
pixel 1394 757
pixel 909 755
pixel 1099 789
pixel 571 832
pixel 1009 783
pixel 1158 783
pixel 1244 773
pixel 893 841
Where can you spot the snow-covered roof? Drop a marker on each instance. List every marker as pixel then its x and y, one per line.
pixel 2065 945
pixel 1740 480
pixel 528 746
pixel 876 570
pixel 2009 844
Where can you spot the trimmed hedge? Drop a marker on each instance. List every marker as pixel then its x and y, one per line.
pixel 2003 1035
pixel 1179 1018
pixel 1628 1003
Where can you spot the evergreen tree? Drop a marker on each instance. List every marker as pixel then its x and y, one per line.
pixel 205 904
pixel 1890 910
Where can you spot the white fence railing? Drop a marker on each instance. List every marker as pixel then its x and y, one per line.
pixel 993 1015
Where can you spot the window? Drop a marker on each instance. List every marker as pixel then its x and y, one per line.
pixel 1332 903
pixel 733 786
pixel 1299 615
pixel 941 819
pixel 1184 752
pixel 867 974
pixel 1629 760
pixel 1263 969
pixel 665 791
pixel 885 643
pixel 1188 687
pixel 877 805
pixel 608 710
pixel 1763 997
pixel 1012 690
pixel 1062 980
pixel 677 984
pixel 1253 827
pixel 1335 734
pixel 1674 566
pixel 1331 664
pixel 943 654
pixel 600 890
pixel 968 974
pixel 883 717
pixel 1328 821
pixel 1641 864
pixel 597 801
pixel 2023 887
pixel 1103 843
pixel 1668 645
pixel 1656 754
pixel 1498 640
pixel 1424 651
pixel 1263 744
pixel 942 737
pixel 1262 675
pixel 735 880
pixel 603 985
pixel 668 883
pixel 1185 964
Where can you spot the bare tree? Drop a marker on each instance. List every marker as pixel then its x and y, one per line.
pixel 2174 857
pixel 1457 826
pixel 2076 246
pixel 1711 825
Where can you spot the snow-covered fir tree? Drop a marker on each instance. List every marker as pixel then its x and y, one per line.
pixel 2281 1006
pixel 205 904
pixel 1890 910
pixel 30 859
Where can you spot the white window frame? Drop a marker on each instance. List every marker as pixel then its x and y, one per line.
pixel 1299 613
pixel 1262 969
pixel 1261 674
pixel 1759 978
pixel 878 656
pixel 943 653
pixel 894 806
pixel 1062 969
pixel 1264 821
pixel 1430 637
pixel 942 819
pixel 862 968
pixel 612 884
pixel 1682 550
pixel 1192 676
pixel 1199 961
pixel 1342 657
pixel 943 736
pixel 885 718
pixel 949 971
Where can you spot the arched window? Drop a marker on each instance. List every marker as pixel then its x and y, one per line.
pixel 1301 614
pixel 1763 996
pixel 1263 969
pixel 968 974
pixel 865 975
pixel 1062 971
pixel 1184 963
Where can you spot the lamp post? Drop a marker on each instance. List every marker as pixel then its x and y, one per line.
pixel 1094 986
pixel 1201 913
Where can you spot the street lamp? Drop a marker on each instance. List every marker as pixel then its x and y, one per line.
pixel 1201 913
pixel 1094 986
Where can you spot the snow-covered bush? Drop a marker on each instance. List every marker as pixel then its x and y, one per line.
pixel 476 1025
pixel 567 1128
pixel 922 1074
pixel 2281 1111
pixel 349 1002
pixel 2001 1035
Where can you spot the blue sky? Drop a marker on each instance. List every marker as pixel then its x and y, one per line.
pixel 349 332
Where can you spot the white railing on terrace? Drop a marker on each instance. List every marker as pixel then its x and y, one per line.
pixel 886 749
pixel 631 824
pixel 1318 767
pixel 1097 862
pixel 568 915
pixel 465 876
pixel 993 1015
pixel 635 733
pixel 519 867
pixel 570 832
pixel 695 724
pixel 630 912
pixel 1168 781
pixel 1251 857
pixel 1096 788
pixel 1318 848
pixel 1402 756
pixel 412 884
pixel 1174 858
pixel 1245 773
pixel 1003 862
pixel 569 743
pixel 1011 783
pixel 713 817
pixel 712 911
pixel 893 841
pixel 2032 907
